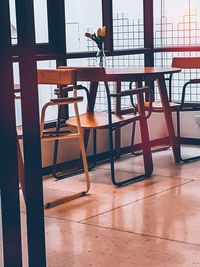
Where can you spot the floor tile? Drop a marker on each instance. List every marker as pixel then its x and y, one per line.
pixel 173 214
pixel 78 245
pixel 152 223
pixel 72 244
pixel 163 164
pixel 103 197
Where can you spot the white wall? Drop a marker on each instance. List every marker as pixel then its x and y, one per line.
pixel 188 126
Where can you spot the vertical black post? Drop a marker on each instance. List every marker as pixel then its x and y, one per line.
pixel 107 17
pixel 148 38
pixel 57 39
pixel 10 209
pixel 148 31
pixel 31 133
pixel 56 26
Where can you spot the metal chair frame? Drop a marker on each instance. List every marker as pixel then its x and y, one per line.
pixel 62 77
pixel 62 91
pixel 114 122
pixel 185 63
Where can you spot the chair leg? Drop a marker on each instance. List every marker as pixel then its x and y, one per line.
pixel 56 144
pixel 87 180
pixel 94 150
pixel 178 133
pixel 140 153
pixel 146 148
pixel 148 166
pixel 20 168
pixel 85 166
pixel 179 142
pixel 68 174
pixel 133 139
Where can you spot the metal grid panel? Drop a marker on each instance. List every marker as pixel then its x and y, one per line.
pixel 193 91
pixel 127 33
pixel 184 32
pixel 167 33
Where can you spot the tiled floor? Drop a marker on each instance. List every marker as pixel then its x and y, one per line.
pixel 152 223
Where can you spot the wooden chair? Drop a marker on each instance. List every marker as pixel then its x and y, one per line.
pixel 92 120
pixel 64 77
pixel 183 63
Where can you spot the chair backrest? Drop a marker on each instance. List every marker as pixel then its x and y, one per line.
pixel 88 73
pixel 186 62
pixel 58 76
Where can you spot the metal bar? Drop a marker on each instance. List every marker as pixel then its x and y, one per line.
pixel 56 26
pixel 117 111
pixel 148 31
pixel 108 22
pixel 147 156
pixel 10 208
pixel 168 116
pixel 31 133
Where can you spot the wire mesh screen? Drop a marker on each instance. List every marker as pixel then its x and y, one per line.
pixel 184 31
pixel 179 79
pixel 126 34
pixel 129 33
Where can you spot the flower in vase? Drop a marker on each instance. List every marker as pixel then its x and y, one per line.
pixel 98 37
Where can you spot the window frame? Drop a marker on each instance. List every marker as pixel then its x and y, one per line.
pixel 55 49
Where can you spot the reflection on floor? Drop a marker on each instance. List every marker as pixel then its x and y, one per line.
pixel 152 223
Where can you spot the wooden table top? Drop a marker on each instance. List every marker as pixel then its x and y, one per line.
pixel 119 74
pixel 141 70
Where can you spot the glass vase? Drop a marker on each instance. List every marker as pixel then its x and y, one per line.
pixel 100 57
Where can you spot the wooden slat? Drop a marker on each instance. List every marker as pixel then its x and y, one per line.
pixel 58 76
pixel 67 100
pixel 98 120
pixel 87 73
pixel 186 62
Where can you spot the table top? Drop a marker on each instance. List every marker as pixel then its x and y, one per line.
pixel 120 74
pixel 141 70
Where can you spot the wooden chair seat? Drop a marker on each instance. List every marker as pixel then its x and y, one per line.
pixel 99 120
pixel 157 106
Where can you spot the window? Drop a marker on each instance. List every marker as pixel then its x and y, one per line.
pixel 128 30
pixel 177 22
pixel 81 17
pixel 165 59
pixel 13 22
pixel 41 21
pixel 45 92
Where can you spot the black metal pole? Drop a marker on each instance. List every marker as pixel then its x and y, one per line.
pixel 148 38
pixel 148 31
pixel 107 18
pixel 10 209
pixel 56 27
pixel 31 133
